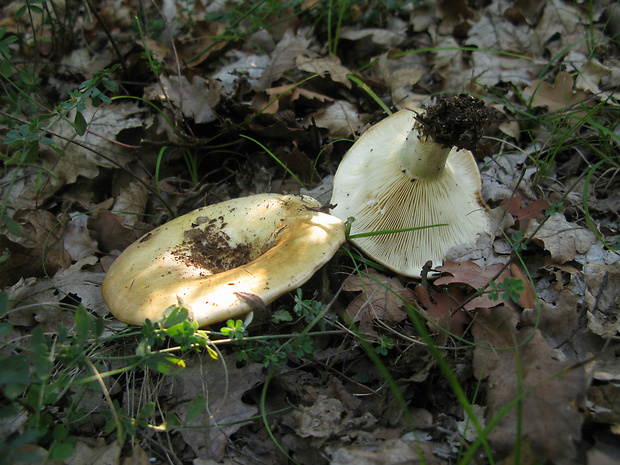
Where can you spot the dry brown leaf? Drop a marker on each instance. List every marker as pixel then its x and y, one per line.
pixel 381 299
pixel 561 27
pixel 202 43
pixel 389 452
pixel 493 32
pixel 562 239
pixel 283 58
pixel 329 65
pixel 131 203
pixel 27 190
pixel 556 96
pixel 137 457
pixel 603 298
pixel 39 249
pixel 21 263
pixel 473 275
pixel 378 36
pixel 290 93
pixel 298 162
pixel 223 385
pixel 81 285
pixel 105 122
pixel 590 76
pixel 440 308
pixel 490 69
pixel 454 11
pixel 77 240
pixel 527 297
pixel 328 417
pixel 400 75
pixel 525 11
pixel 196 100
pixel 534 209
pixel 108 230
pixel 551 421
pixel 95 452
pixel 341 119
pixel 604 403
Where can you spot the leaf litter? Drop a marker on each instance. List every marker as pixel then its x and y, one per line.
pixel 546 352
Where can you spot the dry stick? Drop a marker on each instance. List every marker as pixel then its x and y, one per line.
pixel 93 10
pixel 97 152
pixel 351 380
pixel 101 136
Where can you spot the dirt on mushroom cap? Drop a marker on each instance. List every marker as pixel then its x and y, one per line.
pixel 456 122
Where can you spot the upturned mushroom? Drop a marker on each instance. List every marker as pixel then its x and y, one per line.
pixel 223 260
pixel 415 169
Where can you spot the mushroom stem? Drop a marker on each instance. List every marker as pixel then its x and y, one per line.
pixel 421 157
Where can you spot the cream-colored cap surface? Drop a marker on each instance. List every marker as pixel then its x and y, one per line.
pixel 216 259
pixel 376 189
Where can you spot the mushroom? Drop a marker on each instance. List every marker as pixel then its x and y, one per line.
pixel 415 169
pixel 223 260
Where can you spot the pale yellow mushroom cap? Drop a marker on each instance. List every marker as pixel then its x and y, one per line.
pixel 216 259
pixel 379 189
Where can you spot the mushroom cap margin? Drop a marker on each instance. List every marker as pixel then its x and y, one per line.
pixel 147 277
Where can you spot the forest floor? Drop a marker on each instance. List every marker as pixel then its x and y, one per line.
pixel 117 117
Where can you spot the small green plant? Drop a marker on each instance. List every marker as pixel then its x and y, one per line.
pixel 511 289
pixel 517 241
pixel 270 351
pixel 24 143
pixel 234 330
pixel 308 308
pixel 50 370
pixel 32 382
pixel 384 344
pixel 172 324
pixel 154 64
pixel 557 206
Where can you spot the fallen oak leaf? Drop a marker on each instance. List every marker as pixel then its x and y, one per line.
pixel 442 309
pixel 109 232
pixel 536 209
pixel 557 96
pixel 292 92
pixel 590 76
pixel 382 298
pixel 563 240
pixel 550 420
pixel 469 273
pixel 329 65
pixel 473 275
pixel 527 297
pixel 39 250
pixel 209 399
